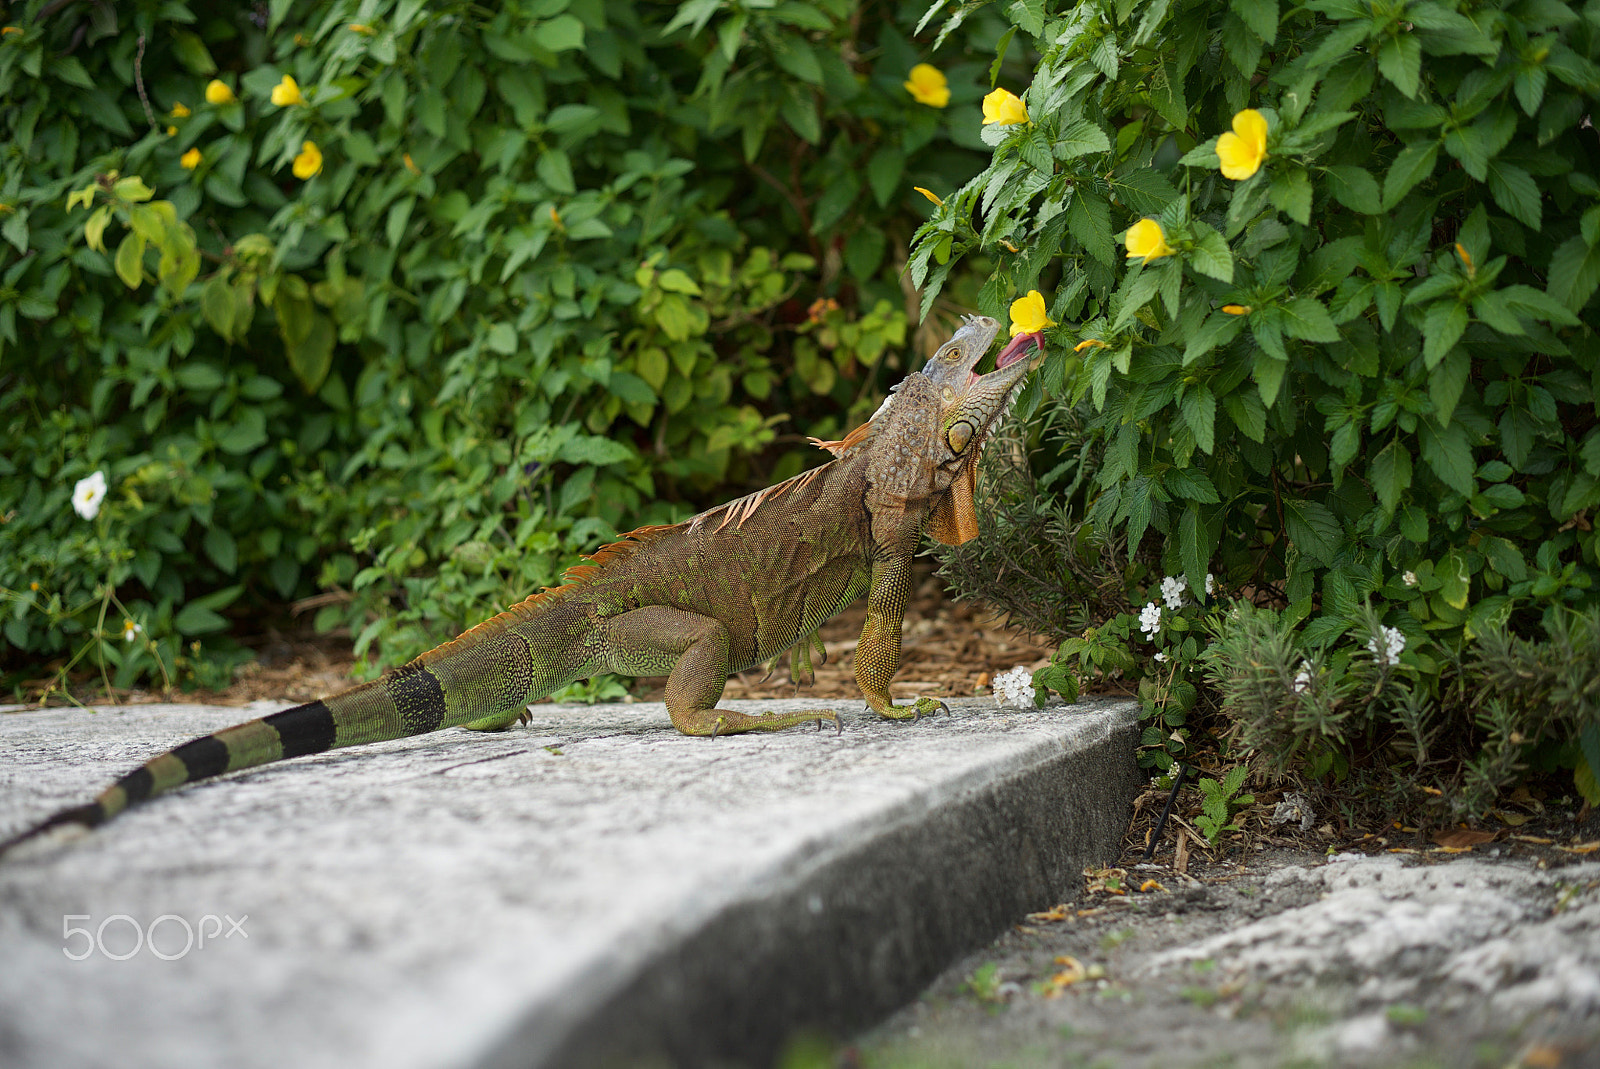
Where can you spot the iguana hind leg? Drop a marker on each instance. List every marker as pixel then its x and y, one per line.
pixel 694 649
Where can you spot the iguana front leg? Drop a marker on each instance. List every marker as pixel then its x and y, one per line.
pixel 878 652
pixel 694 648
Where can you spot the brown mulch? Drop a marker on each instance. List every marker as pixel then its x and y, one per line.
pixel 948 649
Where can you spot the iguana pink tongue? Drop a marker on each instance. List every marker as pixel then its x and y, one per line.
pixel 1020 348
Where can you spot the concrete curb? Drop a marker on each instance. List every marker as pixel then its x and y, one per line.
pixel 651 898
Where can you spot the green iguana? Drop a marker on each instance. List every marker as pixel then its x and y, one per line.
pixel 720 593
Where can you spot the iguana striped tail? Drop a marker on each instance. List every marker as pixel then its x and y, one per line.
pixel 304 729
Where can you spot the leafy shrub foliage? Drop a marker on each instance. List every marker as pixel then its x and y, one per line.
pixel 1341 359
pixel 408 303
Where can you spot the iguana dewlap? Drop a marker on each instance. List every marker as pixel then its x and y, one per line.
pixel 695 601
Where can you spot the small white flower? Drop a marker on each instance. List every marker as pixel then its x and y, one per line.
pixel 1015 687
pixel 1409 579
pixel 131 630
pixel 1211 584
pixel 1150 619
pixel 1161 656
pixel 1386 647
pixel 1172 588
pixel 88 494
pixel 1302 678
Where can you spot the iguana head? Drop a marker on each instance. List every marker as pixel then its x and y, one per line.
pixel 971 404
pixel 926 441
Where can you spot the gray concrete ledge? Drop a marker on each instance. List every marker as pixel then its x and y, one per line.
pixel 595 889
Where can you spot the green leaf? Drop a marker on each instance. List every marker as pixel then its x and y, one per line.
pixel 129 260
pixel 554 168
pixel 1442 327
pixel 1400 61
pixel 1455 579
pixel 191 51
pixel 1574 273
pixel 1247 413
pixel 884 172
pixel 1260 15
pixel 593 449
pixel 1166 93
pixel 1413 164
pixel 216 304
pixel 1504 557
pixel 1515 190
pixel 1446 382
pixel 1089 220
pixel 1449 454
pixel 1291 194
pixel 1390 474
pixel 1355 188
pixel 1194 545
pixel 1211 255
pixel 222 549
pixel 311 358
pixel 560 34
pixel 1199 410
pixel 1079 139
pixel 794 55
pixel 196 619
pixel 1314 529
pixel 1306 318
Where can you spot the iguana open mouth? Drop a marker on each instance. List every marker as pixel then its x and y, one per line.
pixel 1018 349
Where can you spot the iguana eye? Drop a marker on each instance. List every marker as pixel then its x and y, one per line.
pixel 959 434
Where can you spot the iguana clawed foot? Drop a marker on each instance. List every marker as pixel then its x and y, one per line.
pixel 500 721
pixel 916 710
pixel 714 722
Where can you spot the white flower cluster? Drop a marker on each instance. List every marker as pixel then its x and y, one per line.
pixel 1172 588
pixel 1211 584
pixel 1410 578
pixel 1161 656
pixel 1015 687
pixel 1387 648
pixel 1302 678
pixel 87 495
pixel 1150 619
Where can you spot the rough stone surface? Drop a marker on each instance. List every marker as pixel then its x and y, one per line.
pixel 1392 960
pixel 594 888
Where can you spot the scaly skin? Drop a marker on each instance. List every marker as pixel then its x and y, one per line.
pixel 721 593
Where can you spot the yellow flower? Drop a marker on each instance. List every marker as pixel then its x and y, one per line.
pixel 411 164
pixel 218 92
pixel 1242 150
pixel 287 93
pixel 1090 343
pixel 172 131
pixel 1004 107
pixel 190 159
pixel 931 196
pixel 34 586
pixel 1236 309
pixel 1027 314
pixel 9 30
pixel 360 27
pixel 1146 238
pixel 928 85
pixel 180 110
pixel 309 163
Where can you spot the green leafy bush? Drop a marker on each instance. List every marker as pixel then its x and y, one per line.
pixel 1341 359
pixel 410 303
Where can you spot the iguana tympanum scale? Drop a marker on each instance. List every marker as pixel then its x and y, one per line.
pixel 695 601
